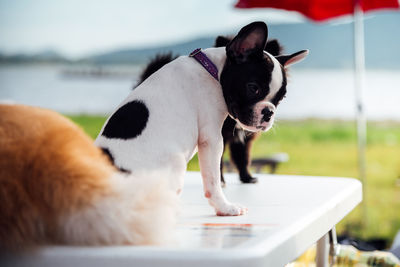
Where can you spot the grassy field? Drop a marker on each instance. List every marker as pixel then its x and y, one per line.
pixel 328 148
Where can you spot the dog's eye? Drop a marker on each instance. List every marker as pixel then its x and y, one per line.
pixel 252 89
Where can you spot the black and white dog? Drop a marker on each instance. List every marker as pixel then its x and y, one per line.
pixel 236 138
pixel 181 107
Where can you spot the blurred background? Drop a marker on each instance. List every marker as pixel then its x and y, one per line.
pixel 82 58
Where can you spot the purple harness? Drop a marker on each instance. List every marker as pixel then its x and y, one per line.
pixel 205 62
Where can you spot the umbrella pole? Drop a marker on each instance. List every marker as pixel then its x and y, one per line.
pixel 359 64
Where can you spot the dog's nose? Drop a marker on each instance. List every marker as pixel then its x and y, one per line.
pixel 267 114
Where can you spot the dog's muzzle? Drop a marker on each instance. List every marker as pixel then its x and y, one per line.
pixel 264 115
pixel 267 114
pixel 260 117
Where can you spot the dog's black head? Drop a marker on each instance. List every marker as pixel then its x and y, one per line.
pixel 254 81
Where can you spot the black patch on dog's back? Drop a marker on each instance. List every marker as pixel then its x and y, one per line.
pixel 128 121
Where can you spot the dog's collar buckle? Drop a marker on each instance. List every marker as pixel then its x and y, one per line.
pixel 195 52
pixel 205 62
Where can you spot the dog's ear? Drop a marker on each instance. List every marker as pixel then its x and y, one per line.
pixel 221 41
pixel 287 60
pixel 274 47
pixel 249 43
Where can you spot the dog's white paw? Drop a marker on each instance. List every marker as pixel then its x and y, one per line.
pixel 230 210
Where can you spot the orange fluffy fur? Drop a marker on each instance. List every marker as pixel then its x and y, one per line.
pixel 56 187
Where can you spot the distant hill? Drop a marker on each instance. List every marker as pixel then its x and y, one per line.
pixel 331 46
pixel 141 56
pixel 46 56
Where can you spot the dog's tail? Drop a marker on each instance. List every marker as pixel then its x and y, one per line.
pixel 155 64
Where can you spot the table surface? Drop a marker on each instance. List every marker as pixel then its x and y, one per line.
pixel 287 214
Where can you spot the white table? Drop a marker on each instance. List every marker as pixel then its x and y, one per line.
pixel 287 214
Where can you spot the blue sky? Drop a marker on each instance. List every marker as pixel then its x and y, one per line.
pixel 80 27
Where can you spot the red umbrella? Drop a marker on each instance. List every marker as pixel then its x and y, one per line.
pixel 321 10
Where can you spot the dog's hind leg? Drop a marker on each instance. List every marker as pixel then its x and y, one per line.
pixel 228 130
pixel 240 155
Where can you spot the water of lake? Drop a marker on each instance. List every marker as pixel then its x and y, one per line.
pixel 311 93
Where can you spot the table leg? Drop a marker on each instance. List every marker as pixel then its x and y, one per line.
pixel 334 247
pixel 322 257
pixel 327 246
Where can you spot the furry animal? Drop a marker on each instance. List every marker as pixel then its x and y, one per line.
pixel 57 187
pixel 181 108
pixel 239 140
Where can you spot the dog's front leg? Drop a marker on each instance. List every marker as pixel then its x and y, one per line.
pixel 210 152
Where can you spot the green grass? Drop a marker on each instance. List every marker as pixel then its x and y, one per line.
pixel 329 148
pixel 91 124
